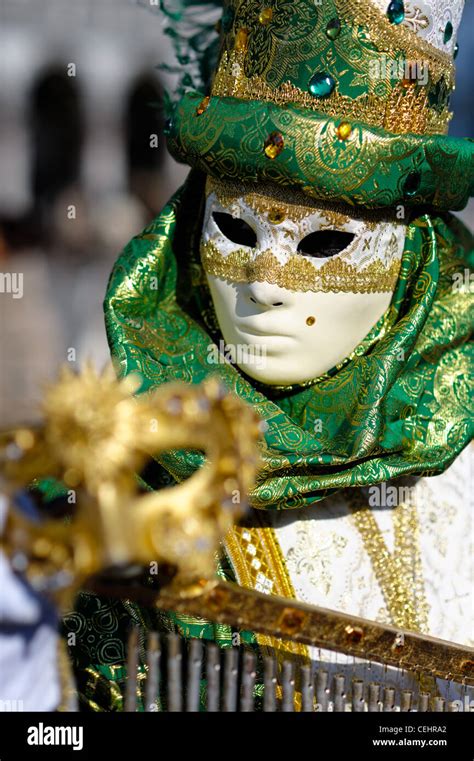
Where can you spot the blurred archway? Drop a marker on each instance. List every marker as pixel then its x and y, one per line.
pixel 144 146
pixel 56 139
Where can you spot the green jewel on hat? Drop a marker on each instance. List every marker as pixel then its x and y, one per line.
pixel 300 70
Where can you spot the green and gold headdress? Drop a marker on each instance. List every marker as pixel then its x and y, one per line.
pixel 340 98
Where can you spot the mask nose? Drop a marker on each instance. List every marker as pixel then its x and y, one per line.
pixel 265 295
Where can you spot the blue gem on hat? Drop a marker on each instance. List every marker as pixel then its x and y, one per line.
pixel 396 11
pixel 321 84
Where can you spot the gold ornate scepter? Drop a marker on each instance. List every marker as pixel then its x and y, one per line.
pixel 95 438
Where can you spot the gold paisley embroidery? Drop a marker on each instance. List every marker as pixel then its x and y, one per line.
pixel 287 31
pixel 369 169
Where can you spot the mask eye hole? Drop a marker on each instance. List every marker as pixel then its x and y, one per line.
pixel 324 243
pixel 235 229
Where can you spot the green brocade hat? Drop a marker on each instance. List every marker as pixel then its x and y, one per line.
pixel 338 98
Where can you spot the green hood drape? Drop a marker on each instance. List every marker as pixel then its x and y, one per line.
pixel 401 404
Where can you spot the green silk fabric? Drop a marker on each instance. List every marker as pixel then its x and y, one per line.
pixel 400 404
pixel 373 169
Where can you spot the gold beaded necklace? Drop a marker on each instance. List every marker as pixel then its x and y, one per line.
pixel 398 573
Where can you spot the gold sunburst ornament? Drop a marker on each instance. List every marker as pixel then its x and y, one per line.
pixel 95 438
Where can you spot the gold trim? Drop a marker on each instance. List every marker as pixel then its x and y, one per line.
pixel 298 273
pixel 296 202
pixel 255 553
pixel 405 110
pixel 259 556
pixel 277 203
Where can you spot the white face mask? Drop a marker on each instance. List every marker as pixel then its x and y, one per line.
pixel 295 287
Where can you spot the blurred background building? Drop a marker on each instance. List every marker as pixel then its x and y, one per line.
pixel 80 96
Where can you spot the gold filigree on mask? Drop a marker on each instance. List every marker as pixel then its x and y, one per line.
pixel 278 209
pixel 265 197
pixel 298 273
pixel 292 204
pixel 265 200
